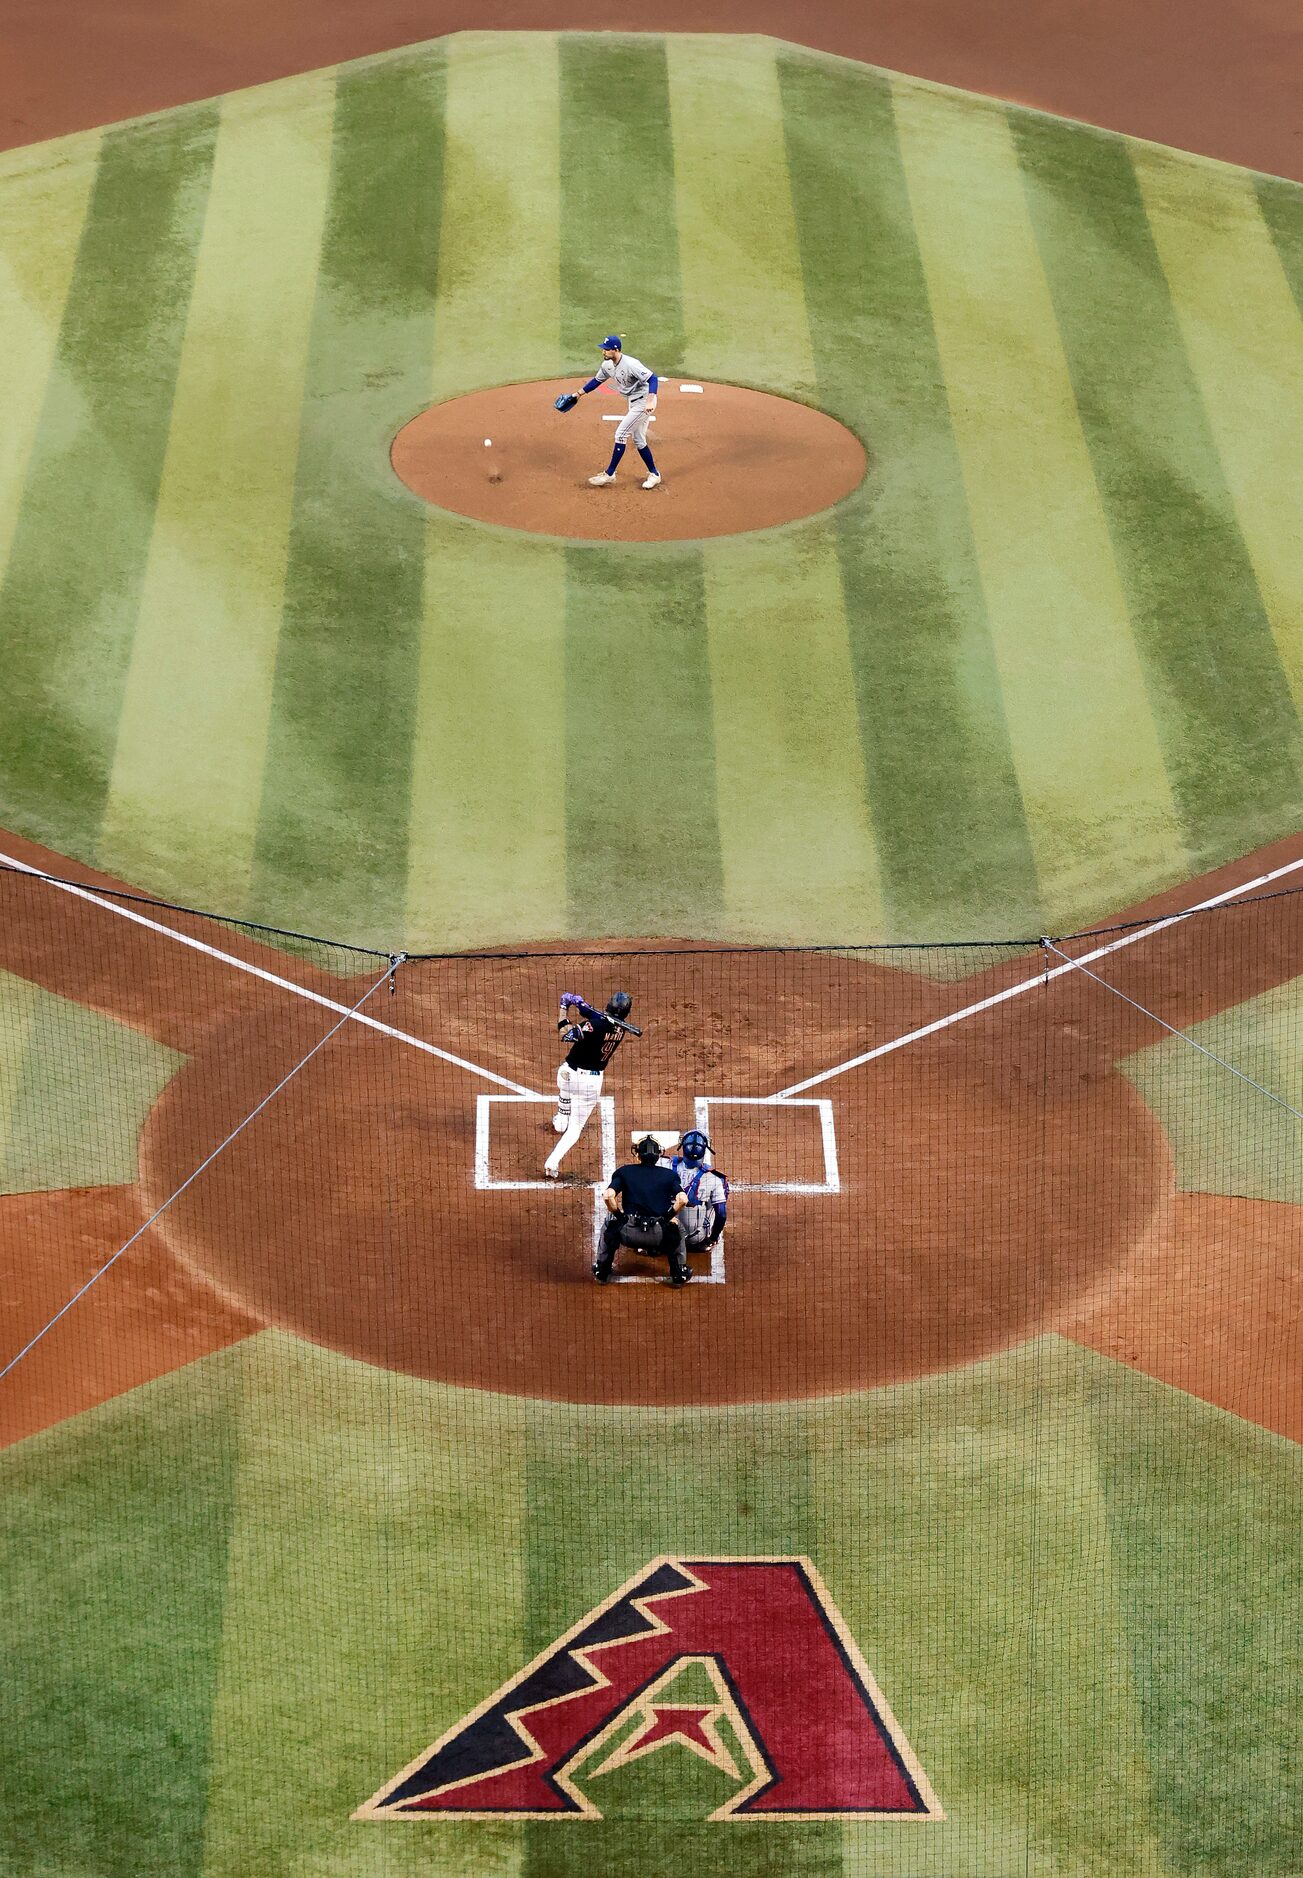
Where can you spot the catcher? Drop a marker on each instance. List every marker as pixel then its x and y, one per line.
pixel 640 386
pixel 644 1200
pixel 705 1192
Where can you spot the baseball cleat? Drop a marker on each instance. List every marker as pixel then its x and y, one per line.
pixel 595 482
pixel 551 1173
pixel 602 1265
pixel 652 480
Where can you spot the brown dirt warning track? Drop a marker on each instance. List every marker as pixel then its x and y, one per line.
pixel 998 1178
pixel 1217 76
pixel 731 460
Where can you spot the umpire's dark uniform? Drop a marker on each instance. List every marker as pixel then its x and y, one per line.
pixel 643 1200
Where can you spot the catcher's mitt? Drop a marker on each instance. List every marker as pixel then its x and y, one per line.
pixel 567 401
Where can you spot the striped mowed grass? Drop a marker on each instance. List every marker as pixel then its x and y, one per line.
pixel 1046 659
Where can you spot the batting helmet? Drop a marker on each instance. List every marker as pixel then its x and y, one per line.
pixel 619 1004
pixel 694 1145
pixel 648 1149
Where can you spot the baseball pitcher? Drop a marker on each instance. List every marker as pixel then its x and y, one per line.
pixel 640 385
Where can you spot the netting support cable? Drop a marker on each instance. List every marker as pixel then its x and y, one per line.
pixel 386 977
pixel 1184 1035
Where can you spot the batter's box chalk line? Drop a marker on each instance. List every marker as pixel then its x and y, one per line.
pixel 701 1110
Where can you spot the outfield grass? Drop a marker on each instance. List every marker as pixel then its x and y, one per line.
pixel 1046 660
pixel 245 1596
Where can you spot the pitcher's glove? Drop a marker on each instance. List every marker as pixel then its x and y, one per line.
pixel 567 401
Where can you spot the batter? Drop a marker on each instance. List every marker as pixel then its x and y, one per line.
pixel 594 1037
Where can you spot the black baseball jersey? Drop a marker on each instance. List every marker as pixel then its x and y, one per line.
pixel 646 1189
pixel 599 1042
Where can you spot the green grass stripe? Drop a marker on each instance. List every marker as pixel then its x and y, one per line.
pixel 374 1595
pixel 331 849
pixel 953 849
pixel 1281 207
pixel 1216 686
pixel 1087 755
pixel 609 1489
pixel 487 835
pixel 499 295
pixel 620 271
pixel 1243 333
pixel 642 852
pixel 796 839
pixel 1225 1137
pixel 961 1527
pixel 187 774
pixel 75 1090
pixel 72 585
pixel 639 755
pixel 114 1546
pixel 41 217
pixel 487 860
pixel 1204 1516
pixel 743 294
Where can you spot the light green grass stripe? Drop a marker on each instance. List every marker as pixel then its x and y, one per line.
pixel 75 1089
pixel 41 218
pixel 112 1570
pixel 486 855
pixel 487 860
pixel 796 840
pixel 796 836
pixel 1086 751
pixel 960 1527
pixel 1244 336
pixel 498 313
pixel 1225 1137
pixel 374 1595
pixel 187 776
pixel 743 294
pixel 609 1489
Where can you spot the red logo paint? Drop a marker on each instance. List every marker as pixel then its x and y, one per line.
pixel 818 1738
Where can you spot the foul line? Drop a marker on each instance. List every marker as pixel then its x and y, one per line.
pixel 191 1178
pixel 1171 1029
pixel 271 978
pixel 1030 984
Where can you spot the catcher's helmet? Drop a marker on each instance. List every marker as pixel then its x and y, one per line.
pixel 619 1004
pixel 694 1145
pixel 648 1149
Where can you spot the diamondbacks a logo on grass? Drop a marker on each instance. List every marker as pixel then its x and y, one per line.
pixel 796 1720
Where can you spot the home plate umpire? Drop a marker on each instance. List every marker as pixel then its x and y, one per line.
pixel 644 1202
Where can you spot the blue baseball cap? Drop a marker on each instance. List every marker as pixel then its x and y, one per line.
pixel 612 343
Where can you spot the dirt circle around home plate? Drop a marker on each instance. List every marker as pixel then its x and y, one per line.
pixel 731 461
pixel 974 1200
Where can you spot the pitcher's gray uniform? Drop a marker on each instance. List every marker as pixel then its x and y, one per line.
pixel 704 1217
pixel 636 382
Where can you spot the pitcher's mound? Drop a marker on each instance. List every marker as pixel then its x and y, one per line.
pixel 731 460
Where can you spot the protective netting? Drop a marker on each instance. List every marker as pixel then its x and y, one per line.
pixel 1013 1239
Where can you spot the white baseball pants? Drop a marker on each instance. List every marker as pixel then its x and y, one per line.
pixel 578 1093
